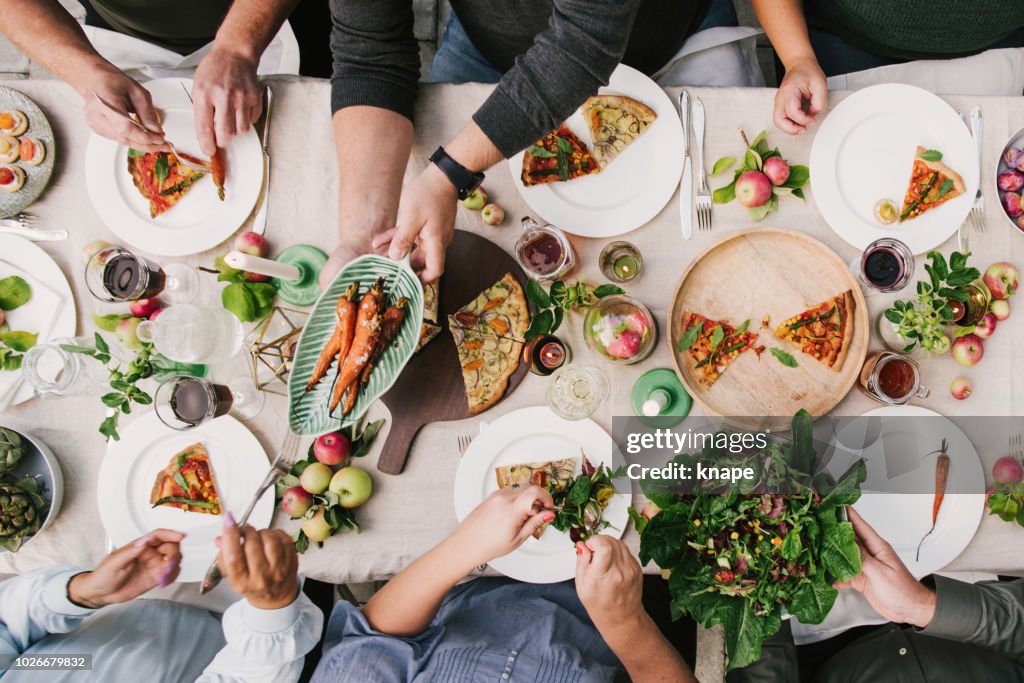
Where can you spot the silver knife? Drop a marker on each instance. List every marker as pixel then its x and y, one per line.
pixel 32 234
pixel 686 184
pixel 259 224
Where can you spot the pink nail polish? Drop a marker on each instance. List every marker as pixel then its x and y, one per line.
pixel 549 518
pixel 165 576
pixel 229 519
pixel 139 542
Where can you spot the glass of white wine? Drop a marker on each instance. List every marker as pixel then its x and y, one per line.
pixel 576 391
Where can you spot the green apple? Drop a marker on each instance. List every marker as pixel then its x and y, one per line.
pixel 315 478
pixel 316 527
pixel 352 485
pixel 476 200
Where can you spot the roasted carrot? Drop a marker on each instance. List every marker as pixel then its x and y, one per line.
pixel 941 478
pixel 219 170
pixel 390 324
pixel 344 329
pixel 367 329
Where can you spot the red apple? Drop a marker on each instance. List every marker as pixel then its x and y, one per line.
pixel 252 243
pixel 635 322
pixel 777 170
pixel 143 308
pixel 255 277
pixel 1002 279
pixel 961 388
pixel 1008 470
pixel 986 327
pixel 625 346
pixel 753 189
pixel 296 501
pixel 492 214
pixel 155 314
pixel 332 448
pixel 968 350
pixel 1000 308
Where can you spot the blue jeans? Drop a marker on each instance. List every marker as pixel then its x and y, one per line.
pixel 458 61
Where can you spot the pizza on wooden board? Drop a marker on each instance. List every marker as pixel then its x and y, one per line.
pixel 710 346
pixel 187 483
pixel 615 121
pixel 551 475
pixel 932 183
pixel 488 334
pixel 556 157
pixel 823 332
pixel 160 178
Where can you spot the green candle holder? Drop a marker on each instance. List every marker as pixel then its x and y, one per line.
pixel 662 386
pixel 310 261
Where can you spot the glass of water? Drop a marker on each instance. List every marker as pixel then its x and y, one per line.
pixel 576 391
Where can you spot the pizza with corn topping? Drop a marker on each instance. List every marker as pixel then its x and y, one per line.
pixel 710 346
pixel 187 483
pixel 823 332
pixel 558 156
pixel 931 183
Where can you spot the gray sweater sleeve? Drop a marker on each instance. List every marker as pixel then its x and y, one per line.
pixel 567 63
pixel 990 614
pixel 376 57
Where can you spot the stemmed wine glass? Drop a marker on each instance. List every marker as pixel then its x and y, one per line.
pixel 183 401
pixel 887 265
pixel 115 275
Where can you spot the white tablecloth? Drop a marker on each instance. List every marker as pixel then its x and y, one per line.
pixel 411 512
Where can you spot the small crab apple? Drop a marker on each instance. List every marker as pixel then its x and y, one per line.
pixel 252 243
pixel 332 448
pixel 127 333
pixel 1002 279
pixel 753 189
pixel 493 214
pixel 296 501
pixel 986 326
pixel 968 350
pixel 1000 308
pixel 476 200
pixel 1010 181
pixel 960 388
pixel 1008 470
pixel 143 308
pixel 777 170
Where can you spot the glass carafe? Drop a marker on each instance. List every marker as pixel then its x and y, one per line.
pixel 55 372
pixel 192 334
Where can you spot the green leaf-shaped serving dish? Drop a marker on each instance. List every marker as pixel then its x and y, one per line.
pixel 307 412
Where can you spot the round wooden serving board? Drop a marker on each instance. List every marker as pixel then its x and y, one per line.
pixel 776 273
pixel 430 388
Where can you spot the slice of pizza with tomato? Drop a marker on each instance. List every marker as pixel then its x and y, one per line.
pixel 557 157
pixel 932 183
pixel 187 483
pixel 160 178
pixel 711 346
pixel 823 332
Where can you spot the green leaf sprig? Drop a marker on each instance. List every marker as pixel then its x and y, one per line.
pixel 123 380
pixel 922 320
pixel 1007 502
pixel 14 293
pixel 553 304
pixel 248 300
pixel 754 158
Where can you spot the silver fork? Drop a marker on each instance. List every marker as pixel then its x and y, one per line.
pixel 978 210
pixel 703 198
pixel 1017 447
pixel 282 465
pixel 138 124
pixel 464 441
pixel 26 226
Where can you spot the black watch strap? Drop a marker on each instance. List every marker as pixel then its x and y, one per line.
pixel 464 180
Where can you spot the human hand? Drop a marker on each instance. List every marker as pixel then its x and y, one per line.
pixel 342 254
pixel 227 97
pixel 501 523
pixel 886 582
pixel 426 218
pixel 804 82
pixel 121 91
pixel 260 565
pixel 609 581
pixel 128 572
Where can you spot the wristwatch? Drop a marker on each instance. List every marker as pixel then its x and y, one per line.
pixel 464 180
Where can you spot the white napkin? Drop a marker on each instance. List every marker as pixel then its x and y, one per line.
pixel 38 315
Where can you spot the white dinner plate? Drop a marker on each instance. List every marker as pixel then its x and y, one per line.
pixel 903 519
pixel 534 435
pixel 200 220
pixel 130 468
pixel 634 187
pixel 864 152
pixel 51 310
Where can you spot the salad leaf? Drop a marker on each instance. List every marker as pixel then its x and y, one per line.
pixel 812 601
pixel 840 555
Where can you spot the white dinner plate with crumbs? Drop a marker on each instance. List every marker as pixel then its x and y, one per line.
pixel 536 435
pixel 900 507
pixel 130 468
pixel 864 152
pixel 199 221
pixel 633 188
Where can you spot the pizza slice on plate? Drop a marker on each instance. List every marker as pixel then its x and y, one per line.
pixel 824 331
pixel 187 483
pixel 488 334
pixel 615 121
pixel 160 178
pixel 557 156
pixel 551 475
pixel 931 183
pixel 710 346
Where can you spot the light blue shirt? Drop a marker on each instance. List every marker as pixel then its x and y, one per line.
pixel 151 640
pixel 486 630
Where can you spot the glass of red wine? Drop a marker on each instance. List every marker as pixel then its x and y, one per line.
pixel 887 265
pixel 544 251
pixel 115 275
pixel 183 401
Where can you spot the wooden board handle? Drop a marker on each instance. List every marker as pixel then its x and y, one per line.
pixel 398 446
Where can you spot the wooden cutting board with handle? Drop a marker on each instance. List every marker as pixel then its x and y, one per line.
pixel 430 388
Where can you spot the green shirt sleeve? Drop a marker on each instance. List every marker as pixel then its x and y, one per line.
pixel 989 614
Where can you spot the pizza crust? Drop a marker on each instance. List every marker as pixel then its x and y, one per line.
pixel 615 122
